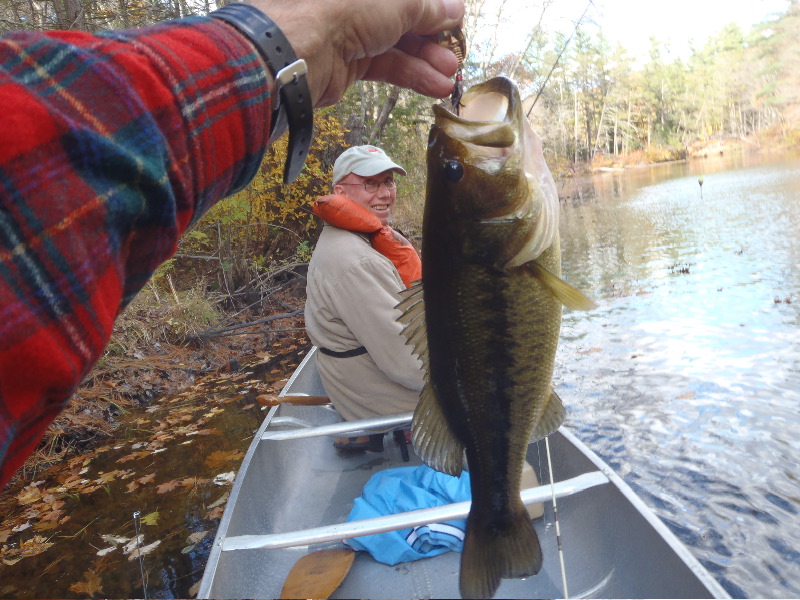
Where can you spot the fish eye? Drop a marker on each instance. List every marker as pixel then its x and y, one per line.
pixel 453 171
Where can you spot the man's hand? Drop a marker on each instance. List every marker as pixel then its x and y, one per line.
pixel 378 40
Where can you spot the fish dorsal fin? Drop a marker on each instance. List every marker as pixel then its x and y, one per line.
pixel 411 297
pixel 553 414
pixel 564 292
pixel 432 437
pixel 412 317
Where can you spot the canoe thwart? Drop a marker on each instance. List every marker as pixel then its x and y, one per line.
pixel 413 518
pixel 349 428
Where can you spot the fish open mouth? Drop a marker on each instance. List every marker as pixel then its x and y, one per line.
pixel 485 127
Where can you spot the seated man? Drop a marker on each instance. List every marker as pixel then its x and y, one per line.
pixel 352 290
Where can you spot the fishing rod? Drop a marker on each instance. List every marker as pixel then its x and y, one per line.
pixel 558 58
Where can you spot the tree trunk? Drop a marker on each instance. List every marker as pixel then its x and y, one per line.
pixel 70 14
pixel 575 125
pixel 383 115
pixel 356 130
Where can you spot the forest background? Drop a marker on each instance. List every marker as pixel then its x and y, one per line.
pixel 594 105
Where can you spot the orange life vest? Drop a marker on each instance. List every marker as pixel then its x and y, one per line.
pixel 343 212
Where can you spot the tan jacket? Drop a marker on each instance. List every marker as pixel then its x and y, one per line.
pixel 350 297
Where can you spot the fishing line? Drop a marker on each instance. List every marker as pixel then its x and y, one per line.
pixel 555 518
pixel 558 58
pixel 139 551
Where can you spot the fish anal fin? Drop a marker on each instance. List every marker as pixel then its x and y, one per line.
pixel 489 556
pixel 432 437
pixel 552 417
pixel 563 292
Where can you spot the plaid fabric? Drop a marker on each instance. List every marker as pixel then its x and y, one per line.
pixel 111 145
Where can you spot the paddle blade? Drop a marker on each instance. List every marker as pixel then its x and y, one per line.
pixel 318 574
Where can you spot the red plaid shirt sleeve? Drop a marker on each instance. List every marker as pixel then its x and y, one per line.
pixel 111 145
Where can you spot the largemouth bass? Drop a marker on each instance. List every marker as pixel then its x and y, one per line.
pixel 486 320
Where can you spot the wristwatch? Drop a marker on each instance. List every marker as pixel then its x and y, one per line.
pixel 292 105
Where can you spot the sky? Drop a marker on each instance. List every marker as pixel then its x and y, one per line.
pixel 633 22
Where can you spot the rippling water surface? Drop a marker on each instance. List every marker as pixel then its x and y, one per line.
pixel 686 378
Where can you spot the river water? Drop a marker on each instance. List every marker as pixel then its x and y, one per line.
pixel 686 378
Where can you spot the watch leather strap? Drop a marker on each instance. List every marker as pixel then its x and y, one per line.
pixel 292 106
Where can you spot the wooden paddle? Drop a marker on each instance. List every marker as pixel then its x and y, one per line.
pixel 318 574
pixel 267 400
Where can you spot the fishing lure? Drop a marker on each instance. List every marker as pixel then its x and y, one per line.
pixel 454 40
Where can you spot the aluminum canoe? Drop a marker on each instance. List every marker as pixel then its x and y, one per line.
pixel 293 493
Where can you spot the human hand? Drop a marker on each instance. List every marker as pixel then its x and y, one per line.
pixel 377 40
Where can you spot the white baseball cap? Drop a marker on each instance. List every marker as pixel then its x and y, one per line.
pixel 365 161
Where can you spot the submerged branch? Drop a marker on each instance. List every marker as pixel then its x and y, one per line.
pixel 223 331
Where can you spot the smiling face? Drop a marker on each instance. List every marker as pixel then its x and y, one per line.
pixel 378 202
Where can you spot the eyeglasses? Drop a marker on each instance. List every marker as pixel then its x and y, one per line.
pixel 373 186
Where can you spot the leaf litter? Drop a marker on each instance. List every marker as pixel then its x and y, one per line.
pixel 89 498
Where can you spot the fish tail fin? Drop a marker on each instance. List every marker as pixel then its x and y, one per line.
pixel 489 556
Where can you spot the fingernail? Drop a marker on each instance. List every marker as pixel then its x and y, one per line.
pixel 454 9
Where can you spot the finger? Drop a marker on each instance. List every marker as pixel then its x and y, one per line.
pixel 433 16
pixel 398 68
pixel 440 57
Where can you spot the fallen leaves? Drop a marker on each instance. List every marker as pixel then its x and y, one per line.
pixel 30 493
pixel 224 478
pixel 187 482
pixel 192 540
pixel 133 456
pixel 220 457
pixel 90 587
pixel 167 487
pixel 150 519
pixel 141 481
pixel 70 501
pixel 141 551
pixel 196 536
pixel 10 555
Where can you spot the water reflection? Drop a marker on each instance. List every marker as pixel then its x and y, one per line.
pixel 687 377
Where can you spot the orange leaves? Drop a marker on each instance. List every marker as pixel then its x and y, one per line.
pixel 30 494
pixel 215 513
pixel 267 208
pixel 90 587
pixel 167 487
pixel 220 458
pixel 31 547
pixel 106 478
pixel 133 456
pixel 188 482
pixel 141 481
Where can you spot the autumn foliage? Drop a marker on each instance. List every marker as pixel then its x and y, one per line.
pixel 270 223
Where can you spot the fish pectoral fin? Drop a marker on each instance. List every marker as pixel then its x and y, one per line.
pixel 564 292
pixel 553 415
pixel 432 437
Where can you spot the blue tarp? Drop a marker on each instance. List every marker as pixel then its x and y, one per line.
pixel 410 488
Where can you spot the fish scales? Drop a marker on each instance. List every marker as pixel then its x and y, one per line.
pixel 492 298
